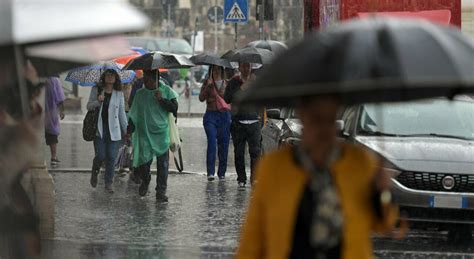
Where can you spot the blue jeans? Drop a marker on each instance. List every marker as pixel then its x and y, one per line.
pixel 105 150
pixel 217 127
pixel 162 166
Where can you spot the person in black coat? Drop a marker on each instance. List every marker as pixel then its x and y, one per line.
pixel 245 127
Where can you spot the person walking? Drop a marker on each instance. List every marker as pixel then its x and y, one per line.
pixel 217 120
pixel 149 123
pixel 111 125
pixel 53 111
pixel 245 127
pixel 320 199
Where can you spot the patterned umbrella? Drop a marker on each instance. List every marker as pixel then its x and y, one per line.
pixel 90 75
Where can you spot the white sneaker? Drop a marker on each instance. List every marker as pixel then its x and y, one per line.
pixel 210 178
pixel 241 185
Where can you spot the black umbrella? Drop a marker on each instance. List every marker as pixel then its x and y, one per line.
pixel 210 59
pixel 370 60
pixel 276 47
pixel 229 54
pixel 155 60
pixel 253 55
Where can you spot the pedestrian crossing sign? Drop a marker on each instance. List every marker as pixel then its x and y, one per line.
pixel 236 11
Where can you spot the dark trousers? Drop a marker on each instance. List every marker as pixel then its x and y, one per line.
pixel 162 164
pixel 242 134
pixel 217 127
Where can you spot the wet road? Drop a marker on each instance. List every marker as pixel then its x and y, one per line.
pixel 202 220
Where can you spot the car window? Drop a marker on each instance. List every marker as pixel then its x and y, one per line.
pixel 134 42
pixel 175 46
pixel 151 46
pixel 436 116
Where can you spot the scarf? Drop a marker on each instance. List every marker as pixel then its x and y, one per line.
pixel 327 222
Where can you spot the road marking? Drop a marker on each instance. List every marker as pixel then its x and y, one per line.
pixel 184 123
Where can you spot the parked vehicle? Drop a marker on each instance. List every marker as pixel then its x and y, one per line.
pixel 178 78
pixel 169 45
pixel 427 146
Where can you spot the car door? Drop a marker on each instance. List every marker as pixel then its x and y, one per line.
pixel 349 117
pixel 271 133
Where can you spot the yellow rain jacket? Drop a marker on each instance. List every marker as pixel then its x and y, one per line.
pixel 269 226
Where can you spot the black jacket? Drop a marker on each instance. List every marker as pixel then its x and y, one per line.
pixel 233 89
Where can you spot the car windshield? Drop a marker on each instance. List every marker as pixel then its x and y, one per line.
pixel 438 117
pixel 135 42
pixel 175 46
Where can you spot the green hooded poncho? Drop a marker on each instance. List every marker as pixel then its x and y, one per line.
pixel 151 137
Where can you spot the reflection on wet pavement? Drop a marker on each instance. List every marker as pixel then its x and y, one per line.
pixel 200 215
pixel 202 220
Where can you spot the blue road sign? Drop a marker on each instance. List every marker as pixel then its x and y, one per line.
pixel 236 11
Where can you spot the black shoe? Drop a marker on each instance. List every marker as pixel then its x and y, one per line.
pixel 143 190
pixel 94 178
pixel 135 178
pixel 242 185
pixel 161 198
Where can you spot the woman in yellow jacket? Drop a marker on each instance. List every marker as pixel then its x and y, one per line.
pixel 317 200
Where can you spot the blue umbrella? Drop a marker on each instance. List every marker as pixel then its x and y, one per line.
pixel 90 75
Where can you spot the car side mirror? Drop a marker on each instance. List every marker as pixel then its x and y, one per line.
pixel 274 114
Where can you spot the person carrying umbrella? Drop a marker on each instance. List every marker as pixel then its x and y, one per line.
pixel 245 127
pixel 112 125
pixel 323 197
pixel 149 123
pixel 217 120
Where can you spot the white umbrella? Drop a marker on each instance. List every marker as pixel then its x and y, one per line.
pixel 32 21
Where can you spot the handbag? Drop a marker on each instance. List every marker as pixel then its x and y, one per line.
pixel 175 141
pixel 221 104
pixel 89 125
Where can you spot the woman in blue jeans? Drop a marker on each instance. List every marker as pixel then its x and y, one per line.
pixel 216 122
pixel 111 125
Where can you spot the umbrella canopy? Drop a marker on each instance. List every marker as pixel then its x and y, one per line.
pixel 31 21
pixel 210 59
pixel 135 53
pixel 90 75
pixel 229 54
pixel 276 47
pixel 370 60
pixel 253 55
pixel 155 60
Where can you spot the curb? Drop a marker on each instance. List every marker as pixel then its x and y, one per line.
pixel 88 171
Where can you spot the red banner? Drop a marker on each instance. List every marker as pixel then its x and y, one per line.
pixel 320 13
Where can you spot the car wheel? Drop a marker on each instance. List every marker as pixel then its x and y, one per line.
pixel 461 234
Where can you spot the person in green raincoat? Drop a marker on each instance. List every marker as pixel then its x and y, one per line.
pixel 149 122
